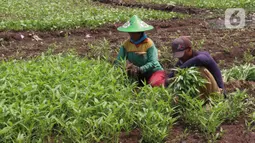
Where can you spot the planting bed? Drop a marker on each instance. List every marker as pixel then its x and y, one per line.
pixel 228 47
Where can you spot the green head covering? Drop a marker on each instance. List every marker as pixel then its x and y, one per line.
pixel 135 24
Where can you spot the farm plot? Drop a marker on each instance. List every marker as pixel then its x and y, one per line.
pixel 66 98
pixel 77 100
pixel 60 14
pixel 218 4
pixel 83 98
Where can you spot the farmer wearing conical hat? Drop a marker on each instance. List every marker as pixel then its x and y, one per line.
pixel 140 53
pixel 182 49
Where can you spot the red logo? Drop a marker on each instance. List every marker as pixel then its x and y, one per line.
pixel 179 47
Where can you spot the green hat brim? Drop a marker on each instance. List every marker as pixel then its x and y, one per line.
pixel 135 24
pixel 131 29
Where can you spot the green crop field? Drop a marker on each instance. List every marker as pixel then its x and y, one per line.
pixel 66 96
pixel 249 4
pixel 244 72
pixel 59 14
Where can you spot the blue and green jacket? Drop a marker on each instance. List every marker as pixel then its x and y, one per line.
pixel 143 55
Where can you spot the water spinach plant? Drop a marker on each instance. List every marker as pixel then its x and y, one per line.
pixel 208 113
pixel 66 98
pixel 62 14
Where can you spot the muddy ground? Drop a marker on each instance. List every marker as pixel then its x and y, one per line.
pixel 206 27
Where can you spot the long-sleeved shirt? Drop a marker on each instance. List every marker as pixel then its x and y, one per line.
pixel 202 59
pixel 143 55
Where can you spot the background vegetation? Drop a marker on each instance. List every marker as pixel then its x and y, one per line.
pixel 59 14
pixel 80 100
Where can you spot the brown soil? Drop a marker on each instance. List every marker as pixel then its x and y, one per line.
pixel 249 86
pixel 234 132
pixel 227 47
pixel 162 7
pixel 182 134
pixel 132 137
pixel 237 133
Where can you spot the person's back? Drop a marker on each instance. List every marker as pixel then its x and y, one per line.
pixel 203 59
pixel 182 49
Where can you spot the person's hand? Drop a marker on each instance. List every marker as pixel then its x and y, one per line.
pixel 135 70
pixel 168 81
pixel 132 69
pixel 128 66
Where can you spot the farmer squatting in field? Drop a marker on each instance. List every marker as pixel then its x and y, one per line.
pixel 140 53
pixel 142 58
pixel 182 49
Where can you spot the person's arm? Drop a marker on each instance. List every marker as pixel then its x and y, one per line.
pixel 178 64
pixel 195 61
pixel 121 55
pixel 171 74
pixel 200 60
pixel 152 59
pixel 208 62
